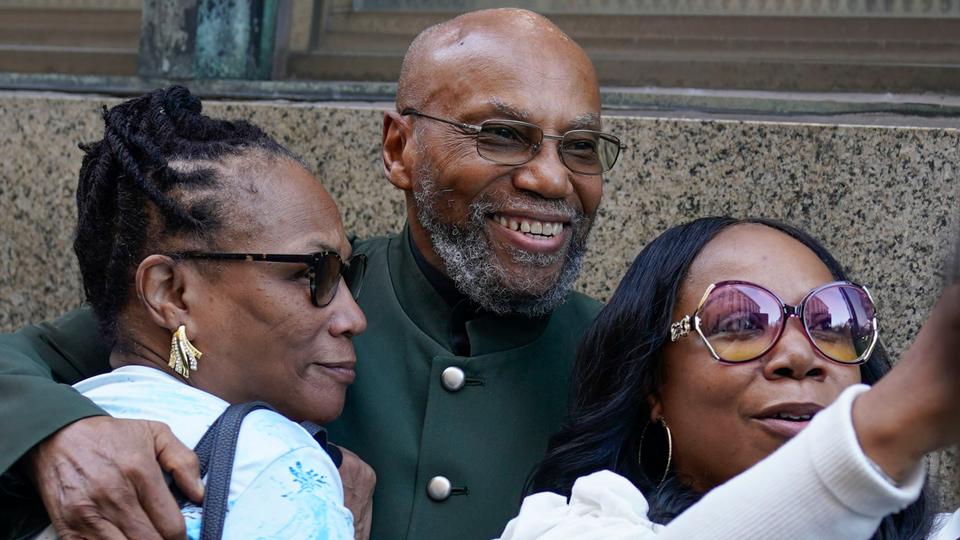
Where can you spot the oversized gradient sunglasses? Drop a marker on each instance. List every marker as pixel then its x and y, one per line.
pixel 324 269
pixel 513 142
pixel 740 321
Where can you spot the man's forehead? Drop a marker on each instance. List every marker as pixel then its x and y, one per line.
pixel 495 23
pixel 474 72
pixel 494 53
pixel 480 46
pixel 490 52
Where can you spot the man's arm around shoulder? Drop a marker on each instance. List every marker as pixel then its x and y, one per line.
pixel 36 365
pixel 100 477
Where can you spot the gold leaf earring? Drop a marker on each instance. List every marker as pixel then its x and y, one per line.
pixel 183 355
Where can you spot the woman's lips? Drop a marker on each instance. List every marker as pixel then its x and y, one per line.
pixel 341 372
pixel 786 429
pixel 786 420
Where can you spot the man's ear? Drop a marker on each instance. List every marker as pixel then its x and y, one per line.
pixel 655 406
pixel 161 285
pixel 396 166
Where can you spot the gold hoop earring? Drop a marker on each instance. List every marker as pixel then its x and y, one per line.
pixel 183 355
pixel 669 441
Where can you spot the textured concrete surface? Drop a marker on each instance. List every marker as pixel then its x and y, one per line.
pixel 884 200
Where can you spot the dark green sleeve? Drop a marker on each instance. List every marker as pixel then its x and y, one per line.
pixel 37 365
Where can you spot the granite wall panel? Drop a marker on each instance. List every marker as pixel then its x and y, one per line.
pixel 883 199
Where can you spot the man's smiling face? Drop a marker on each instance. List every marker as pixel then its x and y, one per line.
pixel 511 237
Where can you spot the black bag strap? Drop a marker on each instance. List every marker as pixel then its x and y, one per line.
pixel 216 451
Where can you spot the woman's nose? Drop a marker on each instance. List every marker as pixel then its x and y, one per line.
pixel 347 319
pixel 793 356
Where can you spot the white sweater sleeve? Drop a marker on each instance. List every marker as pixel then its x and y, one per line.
pixel 818 486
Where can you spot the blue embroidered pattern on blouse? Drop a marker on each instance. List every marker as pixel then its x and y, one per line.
pixel 309 480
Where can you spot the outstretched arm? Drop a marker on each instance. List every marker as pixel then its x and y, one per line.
pixel 818 485
pixel 913 410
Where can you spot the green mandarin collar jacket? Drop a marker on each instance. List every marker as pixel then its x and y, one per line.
pixel 483 438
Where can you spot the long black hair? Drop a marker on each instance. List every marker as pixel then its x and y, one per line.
pixel 619 364
pixel 130 199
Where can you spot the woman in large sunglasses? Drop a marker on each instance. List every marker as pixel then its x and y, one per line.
pixel 215 264
pixel 725 340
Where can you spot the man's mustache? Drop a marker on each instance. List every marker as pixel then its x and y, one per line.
pixel 490 204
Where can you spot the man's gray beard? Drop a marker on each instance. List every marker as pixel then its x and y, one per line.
pixel 473 266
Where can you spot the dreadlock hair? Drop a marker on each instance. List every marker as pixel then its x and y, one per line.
pixel 131 201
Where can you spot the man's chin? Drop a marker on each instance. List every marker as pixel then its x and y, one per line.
pixel 528 280
pixel 504 271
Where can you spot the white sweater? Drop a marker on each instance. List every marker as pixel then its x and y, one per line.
pixel 818 486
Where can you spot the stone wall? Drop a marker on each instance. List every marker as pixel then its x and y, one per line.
pixel 883 199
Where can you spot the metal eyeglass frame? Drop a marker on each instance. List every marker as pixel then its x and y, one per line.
pixel 351 270
pixel 682 327
pixel 476 129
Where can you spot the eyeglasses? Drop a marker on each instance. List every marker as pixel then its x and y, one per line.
pixel 740 321
pixel 512 142
pixel 324 269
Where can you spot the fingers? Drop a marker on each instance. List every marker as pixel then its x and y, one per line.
pixel 99 478
pixel 155 496
pixel 93 512
pixel 359 480
pixel 132 523
pixel 92 526
pixel 180 461
pixel 160 508
pixel 361 528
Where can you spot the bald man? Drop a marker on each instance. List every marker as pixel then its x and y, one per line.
pixel 463 372
pixel 472 324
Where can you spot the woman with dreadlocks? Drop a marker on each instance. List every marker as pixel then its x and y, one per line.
pixel 213 261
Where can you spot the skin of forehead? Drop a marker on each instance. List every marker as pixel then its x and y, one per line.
pixel 262 200
pixel 451 58
pixel 720 264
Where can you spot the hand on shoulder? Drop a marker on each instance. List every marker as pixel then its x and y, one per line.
pixel 102 477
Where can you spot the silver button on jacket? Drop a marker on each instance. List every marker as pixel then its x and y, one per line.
pixel 439 488
pixel 453 378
